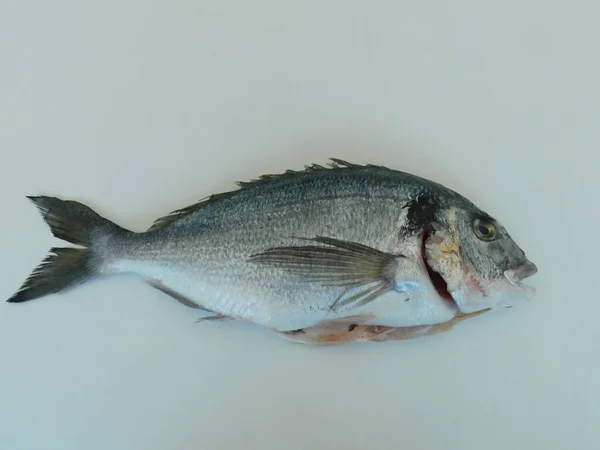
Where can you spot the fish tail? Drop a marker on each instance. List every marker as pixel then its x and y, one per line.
pixel 65 268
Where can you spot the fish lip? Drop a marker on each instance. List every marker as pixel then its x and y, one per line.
pixel 525 270
pixel 500 293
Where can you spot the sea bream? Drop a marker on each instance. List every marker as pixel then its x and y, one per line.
pixel 341 253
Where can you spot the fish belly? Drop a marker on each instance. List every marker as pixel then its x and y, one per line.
pixel 288 305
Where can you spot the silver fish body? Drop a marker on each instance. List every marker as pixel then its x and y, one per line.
pixel 356 244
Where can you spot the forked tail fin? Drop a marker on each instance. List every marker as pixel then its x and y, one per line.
pixel 66 268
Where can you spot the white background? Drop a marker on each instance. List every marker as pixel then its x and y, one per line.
pixel 138 108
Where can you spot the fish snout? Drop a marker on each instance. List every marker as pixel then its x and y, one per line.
pixel 525 270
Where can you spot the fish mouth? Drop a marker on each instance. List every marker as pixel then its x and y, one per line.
pixel 516 276
pixel 437 280
pixel 525 270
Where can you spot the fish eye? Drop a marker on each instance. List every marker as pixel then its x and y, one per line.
pixel 484 230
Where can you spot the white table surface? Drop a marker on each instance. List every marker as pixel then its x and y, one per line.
pixel 138 108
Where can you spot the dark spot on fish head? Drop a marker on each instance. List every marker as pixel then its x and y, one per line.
pixel 421 213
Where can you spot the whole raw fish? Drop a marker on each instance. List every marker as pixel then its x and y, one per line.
pixel 327 254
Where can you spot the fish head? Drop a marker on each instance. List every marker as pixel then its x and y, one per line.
pixel 471 257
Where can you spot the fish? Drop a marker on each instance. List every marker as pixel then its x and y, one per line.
pixel 334 253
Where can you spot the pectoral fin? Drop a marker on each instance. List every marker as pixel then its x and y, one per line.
pixel 364 272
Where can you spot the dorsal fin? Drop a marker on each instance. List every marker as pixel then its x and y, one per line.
pixel 335 164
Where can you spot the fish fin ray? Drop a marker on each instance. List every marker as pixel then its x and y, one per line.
pixel 214 318
pixel 335 165
pixel 365 272
pixel 174 216
pixel 62 270
pixel 72 221
pixel 177 296
pixel 362 297
pixel 65 268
